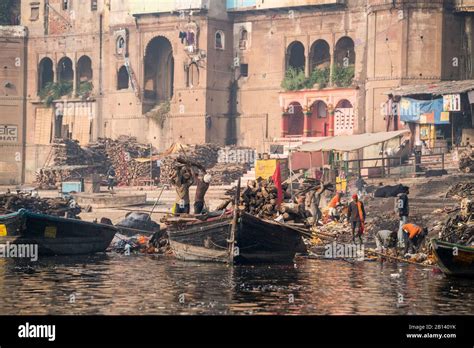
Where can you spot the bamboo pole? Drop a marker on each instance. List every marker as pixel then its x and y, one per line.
pixel 233 230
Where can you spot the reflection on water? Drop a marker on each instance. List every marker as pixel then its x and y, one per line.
pixel 118 284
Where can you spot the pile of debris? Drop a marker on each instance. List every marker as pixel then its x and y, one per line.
pixel 461 190
pixel 10 203
pixel 466 160
pixel 459 227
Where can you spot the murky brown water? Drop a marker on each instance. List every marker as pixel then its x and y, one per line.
pixel 118 284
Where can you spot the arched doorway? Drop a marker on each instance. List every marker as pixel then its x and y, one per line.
pixel 295 56
pixel 344 118
pixel 320 56
pixel 295 119
pixel 320 120
pixel 45 73
pixel 159 70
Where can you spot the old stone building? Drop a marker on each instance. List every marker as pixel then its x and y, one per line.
pixel 250 72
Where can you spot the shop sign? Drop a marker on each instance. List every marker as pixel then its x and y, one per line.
pixel 452 102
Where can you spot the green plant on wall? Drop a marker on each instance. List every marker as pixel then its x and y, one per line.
pixel 85 89
pixel 320 77
pixel 55 90
pixel 296 80
pixel 6 8
pixel 161 113
pixel 343 76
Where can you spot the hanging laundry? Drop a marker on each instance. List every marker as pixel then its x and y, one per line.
pixel 182 36
pixel 190 38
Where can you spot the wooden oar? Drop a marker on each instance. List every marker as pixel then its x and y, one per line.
pixel 235 217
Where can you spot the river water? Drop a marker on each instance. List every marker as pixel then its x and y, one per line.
pixel 137 284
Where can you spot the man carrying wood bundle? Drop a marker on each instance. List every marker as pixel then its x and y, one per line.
pixel 356 216
pixel 182 179
pixel 202 185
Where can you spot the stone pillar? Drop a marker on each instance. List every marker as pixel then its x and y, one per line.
pixel 331 120
pixel 307 131
pixel 285 116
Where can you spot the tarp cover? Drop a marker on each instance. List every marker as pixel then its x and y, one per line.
pixel 349 143
pixel 422 111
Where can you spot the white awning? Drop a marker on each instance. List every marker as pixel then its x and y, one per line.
pixel 347 143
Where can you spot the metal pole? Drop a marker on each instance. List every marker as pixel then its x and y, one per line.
pixel 291 174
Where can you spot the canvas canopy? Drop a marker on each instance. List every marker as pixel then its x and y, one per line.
pixel 348 143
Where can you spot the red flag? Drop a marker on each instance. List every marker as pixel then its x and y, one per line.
pixel 277 180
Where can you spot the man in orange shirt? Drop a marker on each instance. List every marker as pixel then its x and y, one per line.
pixel 414 236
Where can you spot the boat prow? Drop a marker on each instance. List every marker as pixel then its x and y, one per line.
pixel 454 259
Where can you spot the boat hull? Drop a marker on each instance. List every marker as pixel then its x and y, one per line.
pixel 55 235
pixel 454 259
pixel 257 241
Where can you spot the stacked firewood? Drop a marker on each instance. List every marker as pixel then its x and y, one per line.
pixel 260 198
pixel 466 160
pixel 226 174
pixel 58 206
pixel 69 152
pixel 461 190
pixel 122 154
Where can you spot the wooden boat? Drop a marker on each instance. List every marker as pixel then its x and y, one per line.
pixel 55 235
pixel 454 259
pixel 256 241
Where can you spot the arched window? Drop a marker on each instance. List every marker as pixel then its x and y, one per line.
pixel 84 71
pixel 344 54
pixel 220 40
pixel 295 56
pixel 45 73
pixel 193 75
pixel 320 55
pixel 65 71
pixel 243 39
pixel 122 78
pixel 344 104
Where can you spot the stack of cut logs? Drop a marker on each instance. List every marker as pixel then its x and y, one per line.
pixel 10 203
pixel 122 154
pixel 461 190
pixel 227 173
pixel 466 160
pixel 261 199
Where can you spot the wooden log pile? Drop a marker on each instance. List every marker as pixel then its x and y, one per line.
pixel 123 154
pixel 58 206
pixel 227 173
pixel 461 190
pixel 466 160
pixel 260 198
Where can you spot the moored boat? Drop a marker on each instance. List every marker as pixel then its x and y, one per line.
pixel 454 259
pixel 55 235
pixel 256 241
